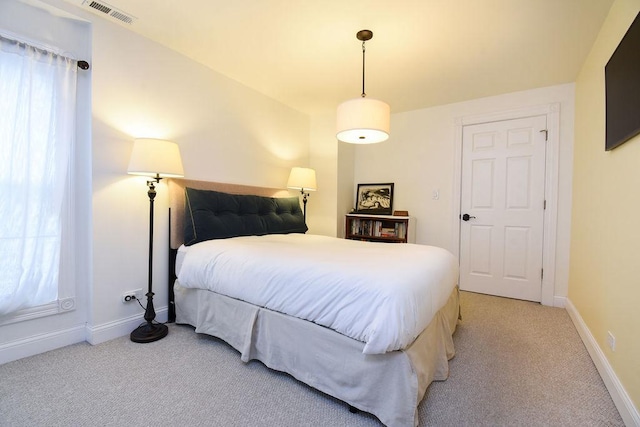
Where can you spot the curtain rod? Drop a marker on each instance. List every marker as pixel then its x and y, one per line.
pixel 83 65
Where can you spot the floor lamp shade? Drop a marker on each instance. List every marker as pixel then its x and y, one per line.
pixel 363 121
pixel 157 158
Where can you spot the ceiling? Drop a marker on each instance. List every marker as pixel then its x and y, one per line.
pixel 423 53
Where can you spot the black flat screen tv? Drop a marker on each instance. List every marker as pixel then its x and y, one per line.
pixel 622 83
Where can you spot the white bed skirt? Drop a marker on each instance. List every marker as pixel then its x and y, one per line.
pixel 389 386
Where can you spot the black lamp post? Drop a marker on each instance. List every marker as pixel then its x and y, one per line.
pixel 158 159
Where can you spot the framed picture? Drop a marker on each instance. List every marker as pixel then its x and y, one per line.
pixel 375 199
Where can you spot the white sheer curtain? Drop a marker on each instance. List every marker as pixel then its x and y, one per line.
pixel 37 131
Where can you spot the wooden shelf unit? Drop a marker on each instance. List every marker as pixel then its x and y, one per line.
pixel 377 228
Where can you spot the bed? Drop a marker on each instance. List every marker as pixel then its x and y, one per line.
pixel 379 359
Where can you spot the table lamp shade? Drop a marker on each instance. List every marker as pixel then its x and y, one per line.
pixel 156 157
pixel 302 179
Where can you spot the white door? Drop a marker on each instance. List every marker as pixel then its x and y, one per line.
pixel 502 207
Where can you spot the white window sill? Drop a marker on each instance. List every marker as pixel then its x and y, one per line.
pixel 59 306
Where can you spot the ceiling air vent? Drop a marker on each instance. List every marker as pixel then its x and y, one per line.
pixel 107 9
pixel 102 8
pixel 122 17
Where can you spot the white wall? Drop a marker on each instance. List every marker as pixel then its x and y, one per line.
pixel 230 133
pixel 334 164
pixel 226 132
pixel 420 156
pixel 322 205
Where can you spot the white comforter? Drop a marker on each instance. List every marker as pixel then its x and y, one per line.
pixel 379 293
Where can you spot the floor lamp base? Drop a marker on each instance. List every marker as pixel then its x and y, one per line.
pixel 149 332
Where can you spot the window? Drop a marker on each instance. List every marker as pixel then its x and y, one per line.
pixel 37 133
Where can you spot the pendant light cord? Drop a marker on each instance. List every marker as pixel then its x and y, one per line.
pixel 363 50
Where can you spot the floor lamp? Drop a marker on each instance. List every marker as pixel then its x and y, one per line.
pixel 303 179
pixel 157 159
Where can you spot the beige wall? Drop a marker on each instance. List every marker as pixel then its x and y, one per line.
pixel 604 280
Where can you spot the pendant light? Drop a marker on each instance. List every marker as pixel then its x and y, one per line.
pixel 363 120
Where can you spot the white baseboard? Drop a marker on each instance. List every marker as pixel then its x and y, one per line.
pixel 37 344
pixel 628 411
pixel 41 343
pixel 559 302
pixel 119 328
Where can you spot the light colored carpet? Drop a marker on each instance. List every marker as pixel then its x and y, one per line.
pixel 517 363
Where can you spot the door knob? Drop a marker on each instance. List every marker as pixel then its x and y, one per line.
pixel 467 217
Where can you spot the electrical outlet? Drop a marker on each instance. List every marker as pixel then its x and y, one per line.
pixel 611 340
pixel 132 295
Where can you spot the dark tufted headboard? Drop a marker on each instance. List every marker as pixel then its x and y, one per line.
pixel 213 215
pixel 177 201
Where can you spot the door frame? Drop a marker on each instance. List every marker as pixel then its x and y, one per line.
pixel 552 111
